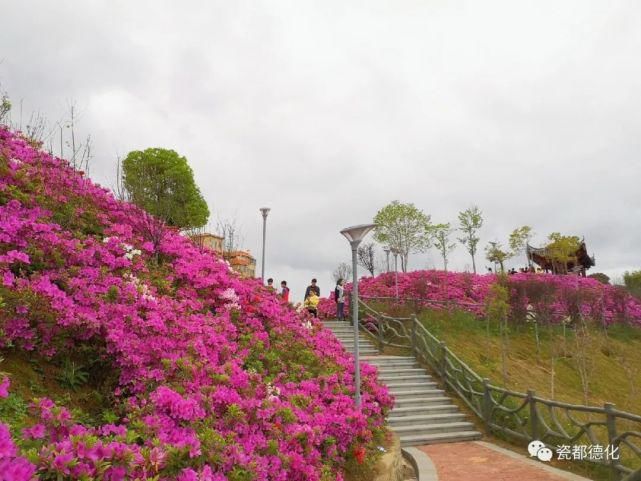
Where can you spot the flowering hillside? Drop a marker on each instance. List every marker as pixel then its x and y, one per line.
pixel 214 378
pixel 551 297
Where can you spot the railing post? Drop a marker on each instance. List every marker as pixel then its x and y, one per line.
pixel 534 415
pixel 413 340
pixel 487 402
pixel 443 361
pixel 381 324
pixel 612 441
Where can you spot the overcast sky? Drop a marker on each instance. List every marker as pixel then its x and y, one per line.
pixel 326 111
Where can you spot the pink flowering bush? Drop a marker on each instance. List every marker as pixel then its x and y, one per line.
pixel 216 378
pixel 551 297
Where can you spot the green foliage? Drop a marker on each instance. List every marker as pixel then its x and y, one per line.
pixel 498 309
pixel 14 411
pixel 498 302
pixel 405 228
pixel 632 281
pixel 495 253
pixel 240 474
pixel 562 249
pixel 519 238
pixel 72 375
pixel 112 294
pixel 161 182
pixel 5 107
pixel 442 242
pixel 601 277
pixel 470 221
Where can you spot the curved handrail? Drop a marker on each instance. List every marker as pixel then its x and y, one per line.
pixel 524 416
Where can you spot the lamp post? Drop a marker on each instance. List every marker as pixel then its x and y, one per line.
pixel 386 250
pixel 264 211
pixel 396 252
pixel 355 235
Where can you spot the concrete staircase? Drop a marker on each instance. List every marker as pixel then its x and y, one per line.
pixel 422 414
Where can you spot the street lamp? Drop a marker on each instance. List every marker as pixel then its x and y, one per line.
pixel 396 252
pixel 355 235
pixel 264 211
pixel 386 250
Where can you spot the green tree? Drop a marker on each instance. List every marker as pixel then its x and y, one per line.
pixel 441 241
pixel 470 221
pixel 403 227
pixel 601 277
pixel 161 182
pixel 632 281
pixel 495 253
pixel 519 238
pixel 562 249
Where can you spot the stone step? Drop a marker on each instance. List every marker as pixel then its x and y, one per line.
pixel 453 437
pixel 386 361
pixel 398 371
pixel 360 341
pixel 409 385
pixel 417 401
pixel 386 358
pixel 397 365
pixel 398 412
pixel 417 392
pixel 349 338
pixel 387 378
pixel 423 419
pixel 433 428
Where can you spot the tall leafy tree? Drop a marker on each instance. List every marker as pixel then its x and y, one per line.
pixel 161 182
pixel 562 249
pixel 442 243
pixel 632 281
pixel 470 221
pixel 495 253
pixel 403 227
pixel 519 238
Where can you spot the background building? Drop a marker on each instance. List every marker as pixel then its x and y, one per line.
pixel 241 261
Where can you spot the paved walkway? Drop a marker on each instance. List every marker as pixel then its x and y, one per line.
pixel 482 461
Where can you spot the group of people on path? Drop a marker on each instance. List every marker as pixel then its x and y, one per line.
pixel 312 299
pixel 312 296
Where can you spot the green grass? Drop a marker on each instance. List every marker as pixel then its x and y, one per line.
pixel 613 358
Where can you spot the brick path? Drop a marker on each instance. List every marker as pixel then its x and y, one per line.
pixel 458 461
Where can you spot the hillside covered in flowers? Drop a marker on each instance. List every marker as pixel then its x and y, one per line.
pixel 211 377
pixel 551 298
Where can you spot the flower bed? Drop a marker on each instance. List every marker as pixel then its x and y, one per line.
pixel 551 297
pixel 216 377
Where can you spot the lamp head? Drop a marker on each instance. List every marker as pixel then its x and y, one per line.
pixel 386 249
pixel 357 233
pixel 264 211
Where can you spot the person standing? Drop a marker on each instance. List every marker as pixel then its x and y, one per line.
pixel 312 288
pixel 284 291
pixel 339 297
pixel 270 285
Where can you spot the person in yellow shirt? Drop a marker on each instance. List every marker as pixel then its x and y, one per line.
pixel 311 304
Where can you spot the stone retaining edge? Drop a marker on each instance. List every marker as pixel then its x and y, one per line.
pixel 423 466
